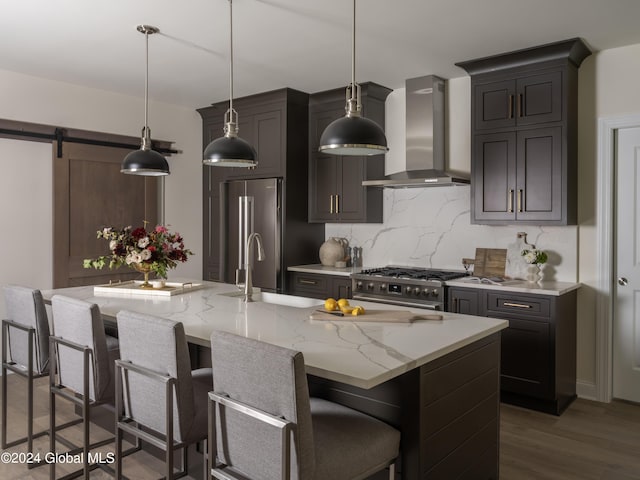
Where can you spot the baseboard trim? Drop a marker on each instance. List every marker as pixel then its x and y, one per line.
pixel 587 390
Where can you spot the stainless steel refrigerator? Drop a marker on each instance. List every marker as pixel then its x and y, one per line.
pixel 253 206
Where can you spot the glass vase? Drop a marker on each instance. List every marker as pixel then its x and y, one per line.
pixel 533 273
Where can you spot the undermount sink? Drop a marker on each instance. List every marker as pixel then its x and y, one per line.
pixel 278 299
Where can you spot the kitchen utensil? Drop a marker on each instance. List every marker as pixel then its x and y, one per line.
pixel 390 316
pixel 490 262
pixel 335 314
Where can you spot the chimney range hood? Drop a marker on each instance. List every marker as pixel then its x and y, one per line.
pixel 425 163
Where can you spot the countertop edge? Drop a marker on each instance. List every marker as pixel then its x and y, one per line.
pixel 520 286
pixel 324 270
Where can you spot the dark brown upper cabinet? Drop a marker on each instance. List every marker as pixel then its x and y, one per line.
pixel 336 194
pixel 524 135
pixel 275 123
pixel 528 100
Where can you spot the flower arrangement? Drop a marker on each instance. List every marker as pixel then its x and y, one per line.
pixel 534 256
pixel 156 250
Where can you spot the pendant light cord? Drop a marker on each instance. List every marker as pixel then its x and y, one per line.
pixel 146 84
pixel 353 53
pixel 231 55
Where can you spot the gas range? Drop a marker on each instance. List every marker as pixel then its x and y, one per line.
pixel 407 286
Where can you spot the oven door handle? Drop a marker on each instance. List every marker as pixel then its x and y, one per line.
pixel 428 306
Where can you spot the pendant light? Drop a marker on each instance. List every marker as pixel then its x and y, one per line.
pixel 353 134
pixel 145 161
pixel 230 150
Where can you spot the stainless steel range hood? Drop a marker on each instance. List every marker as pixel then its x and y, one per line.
pixel 425 159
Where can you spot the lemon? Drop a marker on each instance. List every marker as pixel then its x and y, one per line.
pixel 330 304
pixel 343 302
pixel 357 310
pixel 346 309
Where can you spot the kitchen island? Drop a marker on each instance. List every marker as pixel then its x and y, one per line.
pixel 435 380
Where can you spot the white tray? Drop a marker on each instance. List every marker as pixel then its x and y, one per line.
pixel 133 288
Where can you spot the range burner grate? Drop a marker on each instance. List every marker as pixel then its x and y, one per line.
pixel 414 273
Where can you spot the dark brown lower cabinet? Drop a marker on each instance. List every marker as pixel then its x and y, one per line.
pixel 316 285
pixel 538 359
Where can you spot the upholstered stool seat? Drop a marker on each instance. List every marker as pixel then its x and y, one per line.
pixel 165 403
pixel 25 351
pixel 262 423
pixel 82 360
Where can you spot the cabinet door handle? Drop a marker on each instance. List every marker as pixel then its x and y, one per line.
pixel 455 306
pixel 330 203
pixel 510 200
pixel 510 107
pixel 520 105
pixel 307 282
pixel 520 200
pixel 337 203
pixel 517 305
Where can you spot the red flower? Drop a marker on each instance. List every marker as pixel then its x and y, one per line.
pixel 139 233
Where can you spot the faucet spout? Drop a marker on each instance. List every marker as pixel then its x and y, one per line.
pixel 248 284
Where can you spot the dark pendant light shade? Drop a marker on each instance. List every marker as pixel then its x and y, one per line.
pixel 230 150
pixel 353 134
pixel 145 161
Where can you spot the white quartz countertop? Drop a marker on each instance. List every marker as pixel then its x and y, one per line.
pixel 318 268
pixel 518 286
pixel 359 353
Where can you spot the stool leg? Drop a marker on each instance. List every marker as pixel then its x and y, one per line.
pixel 52 415
pixel 4 402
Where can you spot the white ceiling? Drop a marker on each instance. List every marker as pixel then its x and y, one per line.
pixel 302 44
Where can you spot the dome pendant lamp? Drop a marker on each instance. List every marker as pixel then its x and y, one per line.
pixel 353 134
pixel 230 150
pixel 145 161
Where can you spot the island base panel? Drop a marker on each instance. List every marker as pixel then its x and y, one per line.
pixel 446 410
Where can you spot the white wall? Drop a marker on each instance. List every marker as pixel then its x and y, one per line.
pixel 26 191
pixel 31 99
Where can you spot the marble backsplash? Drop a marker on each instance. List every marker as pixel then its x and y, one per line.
pixel 430 227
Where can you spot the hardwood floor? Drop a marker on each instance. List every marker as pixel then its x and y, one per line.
pixel 590 440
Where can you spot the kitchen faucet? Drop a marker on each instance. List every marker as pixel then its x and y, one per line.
pixel 248 284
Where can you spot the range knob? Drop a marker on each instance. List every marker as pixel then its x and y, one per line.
pixel 408 290
pixel 383 286
pixel 416 291
pixel 434 293
pixel 370 286
pixel 426 292
pixel 359 286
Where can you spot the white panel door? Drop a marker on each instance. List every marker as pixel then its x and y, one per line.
pixel 626 325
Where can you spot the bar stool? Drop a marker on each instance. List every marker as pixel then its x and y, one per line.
pixel 262 423
pixel 82 356
pixel 165 403
pixel 25 351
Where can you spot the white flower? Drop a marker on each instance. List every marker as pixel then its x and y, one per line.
pixel 530 256
pixel 145 254
pixel 143 242
pixel 113 244
pixel 133 257
pixel 106 231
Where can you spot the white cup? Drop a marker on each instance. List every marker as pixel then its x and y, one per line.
pixel 157 283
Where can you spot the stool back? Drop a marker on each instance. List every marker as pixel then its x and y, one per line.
pixel 26 307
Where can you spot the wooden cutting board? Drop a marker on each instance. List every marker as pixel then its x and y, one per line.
pixel 390 316
pixel 490 262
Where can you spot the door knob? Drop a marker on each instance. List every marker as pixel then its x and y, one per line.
pixel 622 281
